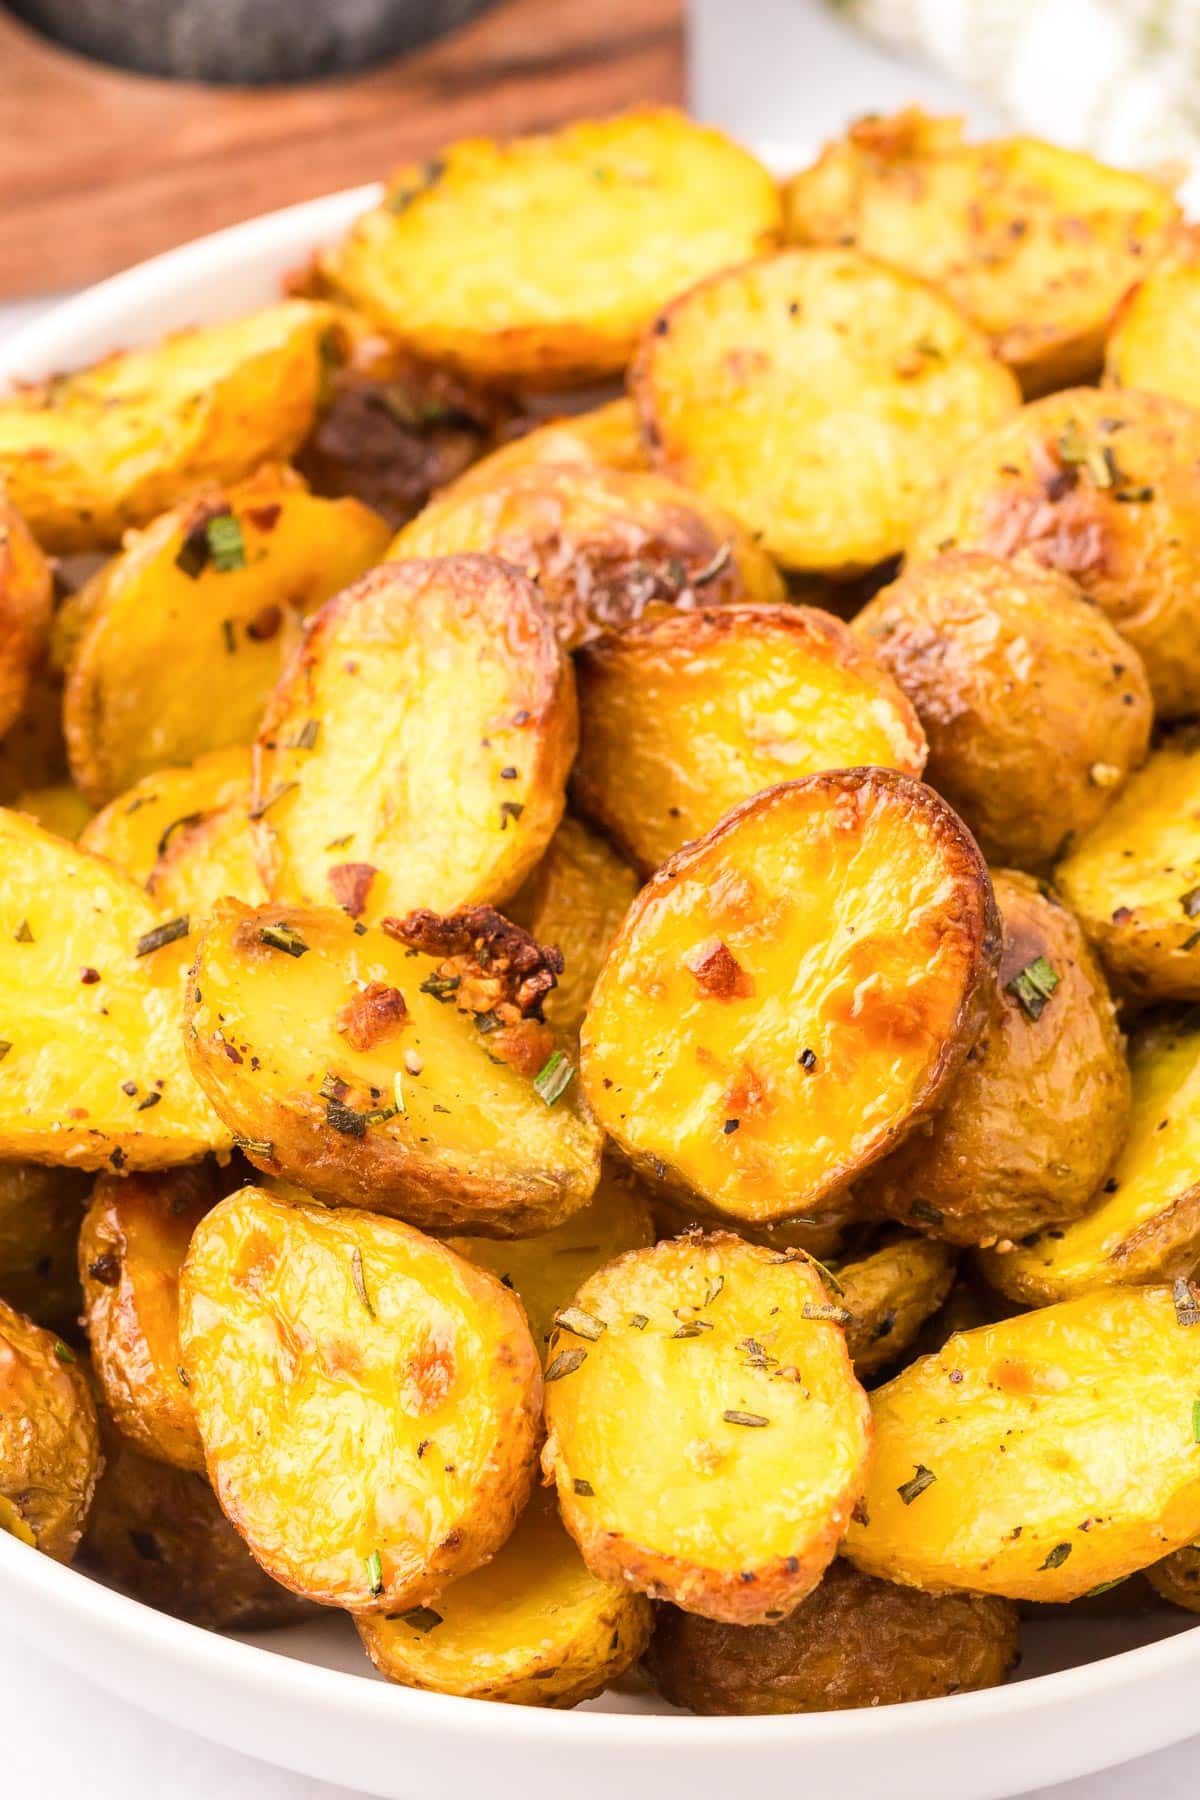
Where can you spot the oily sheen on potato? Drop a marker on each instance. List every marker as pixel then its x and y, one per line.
pixel 206 859
pixel 1154 343
pixel 136 828
pixel 705 1431
pixel 792 993
pixel 26 598
pixel 368 1401
pixel 49 1439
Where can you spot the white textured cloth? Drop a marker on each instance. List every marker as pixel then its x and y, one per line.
pixel 1118 77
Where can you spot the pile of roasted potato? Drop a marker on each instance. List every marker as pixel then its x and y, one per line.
pixel 593 1070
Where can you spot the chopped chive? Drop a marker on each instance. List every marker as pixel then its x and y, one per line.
pixel 398 1090
pixel 580 1323
pixel 230 637
pixel 63 1352
pixel 1190 902
pixel 360 1281
pixel 732 1416
pixel 911 1490
pixel 442 987
pixel 375 1572
pixel 163 934
pixel 1196 1421
pixel 1033 986
pixel 1105 1586
pixel 553 1078
pixel 565 1363
pixel 1056 1557
pixel 226 545
pixel 282 937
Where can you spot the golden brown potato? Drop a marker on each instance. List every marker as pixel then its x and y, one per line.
pixel 41 1211
pixel 1154 343
pixel 368 1400
pixel 1035 243
pixel 822 1234
pixel 1034 708
pixel 684 715
pixel 87 455
pixel 33 753
pixel 1144 1221
pixel 576 898
pixel 1177 1578
pixel 545 1270
pixel 208 859
pixel 1134 878
pixel 534 1627
pixel 818 396
pixel 26 597
pixel 341 1064
pixel 135 830
pixel 49 1441
pixel 157 1533
pixel 888 1294
pixel 90 997
pixel 59 808
pixel 450 672
pixel 606 437
pixel 793 993
pixel 603 545
pixel 215 592
pixel 854 1642
pixel 1041 1105
pixel 690 199
pixel 1041 1457
pixel 1104 487
pixel 131 1249
pixel 704 1428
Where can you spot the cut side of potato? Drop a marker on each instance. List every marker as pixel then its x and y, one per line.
pixel 1154 344
pixel 135 830
pixel 889 1294
pixel 705 1431
pixel 606 437
pixel 684 715
pixel 49 1439
pixel 368 1401
pixel 690 199
pixel 216 592
pixel 1144 1222
pixel 131 1249
pixel 1081 1416
pixel 854 1642
pixel 93 1069
pixel 1134 878
pixel 793 993
pixel 208 859
pixel 59 808
pixel 341 1062
pixel 604 545
pixel 40 1214
pixel 416 749
pixel 87 455
pixel 818 396
pixel 26 599
pixel 534 1627
pixel 1035 243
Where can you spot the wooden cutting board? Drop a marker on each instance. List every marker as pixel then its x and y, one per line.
pixel 99 168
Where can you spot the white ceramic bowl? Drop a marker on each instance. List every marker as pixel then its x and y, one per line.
pixel 1093 1692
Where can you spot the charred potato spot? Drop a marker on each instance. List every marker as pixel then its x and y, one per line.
pixel 854 1642
pixel 862 915
pixel 367 1400
pixel 1154 344
pixel 686 714
pixel 888 1294
pixel 726 1476
pixel 138 828
pixel 26 597
pixel 448 670
pixel 40 1215
pixel 817 395
pixel 49 1440
pixel 1076 1494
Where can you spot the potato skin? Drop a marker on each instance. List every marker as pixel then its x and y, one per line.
pixel 40 1214
pixel 605 437
pixel 49 1439
pixel 1177 1578
pixel 1034 708
pixel 26 597
pixel 1105 487
pixel 33 753
pixel 854 1642
pixel 796 1102
pixel 278 1342
pixel 131 1249
pixel 687 713
pixel 1038 1110
pixel 135 830
pixel 889 1293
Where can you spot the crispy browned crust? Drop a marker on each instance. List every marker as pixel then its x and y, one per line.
pixel 49 1439
pixel 26 593
pixel 1177 1578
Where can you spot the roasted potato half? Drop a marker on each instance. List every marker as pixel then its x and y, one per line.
pixel 822 1234
pixel 93 1070
pixel 135 830
pixel 1035 243
pixel 1092 1401
pixel 793 993
pixel 1041 1105
pixel 605 437
pixel 158 1533
pixel 33 753
pixel 49 1439
pixel 1134 878
pixel 131 1249
pixel 854 1642
pixel 684 715
pixel 208 859
pixel 450 672
pixel 1104 487
pixel 26 599
pixel 602 544
pixel 534 1627
pixel 818 396
pixel 1177 1578
pixel 704 1428
pixel 368 1400
pixel 888 1294
pixel 1034 707
pixel 343 1064
pixel 689 198
pixel 1154 343
pixel 215 592
pixel 85 456
pixel 41 1211
pixel 1144 1221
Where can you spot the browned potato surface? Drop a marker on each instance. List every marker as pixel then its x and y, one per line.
pixel 1034 707
pixel 1154 343
pixel 41 1211
pixel 887 1295
pixel 137 828
pixel 26 595
pixel 33 753
pixel 605 437
pixel 854 1642
pixel 49 1440
pixel 793 993
pixel 1177 1578
pixel 368 1401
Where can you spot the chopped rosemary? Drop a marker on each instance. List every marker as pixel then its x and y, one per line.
pixel 553 1078
pixel 715 1284
pixel 835 1315
pixel 421 1618
pixel 306 737
pixel 510 809
pixel 1033 986
pixel 1187 1307
pixel 691 1328
pixel 63 1353
pixel 360 1280
pixel 912 1490
pixel 580 1323
pixel 147 1102
pixel 375 1572
pixel 1105 1586
pixel 226 545
pixel 732 1416
pixel 398 1090
pixel 261 807
pixel 163 934
pixel 230 636
pixel 254 1146
pixel 583 1488
pixel 182 1373
pixel 639 1321
pixel 565 1363
pixel 929 1215
pixel 442 987
pixel 1056 1557
pixel 282 937
pixel 22 934
pixel 343 1118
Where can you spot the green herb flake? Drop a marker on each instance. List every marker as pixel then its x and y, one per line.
pixel 584 1489
pixel 1187 1307
pixel 715 1285
pixel 428 176
pixel 375 1572
pixel 63 1353
pixel 22 934
pixel 691 1328
pixel 282 937
pixel 398 1090
pixel 421 1618
pixel 912 1490
pixel 306 737
pixel 639 1321
pixel 163 934
pixel 565 1363
pixel 1033 985
pixel 580 1323
pixel 254 1147
pixel 732 1416
pixel 1056 1557
pixel 833 1315
pixel 553 1078
pixel 441 987
pixel 1196 1421
pixel 1105 1587
pixel 226 545
pixel 360 1281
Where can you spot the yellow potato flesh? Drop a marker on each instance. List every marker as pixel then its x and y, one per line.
pixel 209 861
pixel 1155 341
pixel 59 808
pixel 134 829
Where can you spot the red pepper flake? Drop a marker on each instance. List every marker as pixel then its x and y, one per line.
pixel 89 976
pixel 265 623
pixel 350 883
pixel 375 1013
pixel 263 518
pixel 718 971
